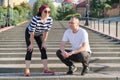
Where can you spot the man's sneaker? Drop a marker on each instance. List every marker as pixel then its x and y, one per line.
pixel 85 70
pixel 27 72
pixel 70 72
pixel 49 72
pixel 72 69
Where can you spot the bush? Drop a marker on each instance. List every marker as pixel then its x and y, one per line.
pixel 72 15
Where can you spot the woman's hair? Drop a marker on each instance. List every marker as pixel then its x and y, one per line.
pixel 41 9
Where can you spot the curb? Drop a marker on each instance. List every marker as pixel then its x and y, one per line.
pixel 6 28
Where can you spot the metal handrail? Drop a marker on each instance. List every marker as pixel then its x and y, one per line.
pixel 104 26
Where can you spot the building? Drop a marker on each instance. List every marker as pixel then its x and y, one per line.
pixel 11 2
pixel 31 2
pixel 68 2
pixel 83 6
pixel 55 2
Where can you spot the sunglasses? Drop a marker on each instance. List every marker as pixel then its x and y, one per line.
pixel 46 11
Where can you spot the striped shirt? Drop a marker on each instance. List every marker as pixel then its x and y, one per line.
pixel 38 27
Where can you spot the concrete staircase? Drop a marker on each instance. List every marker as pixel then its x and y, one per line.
pixel 104 63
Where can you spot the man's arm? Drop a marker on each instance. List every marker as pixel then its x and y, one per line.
pixel 62 46
pixel 83 48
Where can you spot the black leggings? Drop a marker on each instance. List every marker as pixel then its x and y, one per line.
pixel 38 40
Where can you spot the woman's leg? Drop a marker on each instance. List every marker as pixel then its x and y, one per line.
pixel 28 54
pixel 43 52
pixel 43 55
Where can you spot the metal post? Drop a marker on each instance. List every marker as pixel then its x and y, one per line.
pixel 98 25
pixel 119 7
pixel 103 25
pixel 116 28
pixel 8 15
pixel 87 14
pixel 109 27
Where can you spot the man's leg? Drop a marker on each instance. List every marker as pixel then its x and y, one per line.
pixel 84 58
pixel 66 61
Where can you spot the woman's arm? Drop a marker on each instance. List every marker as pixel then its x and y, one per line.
pixel 30 47
pixel 45 35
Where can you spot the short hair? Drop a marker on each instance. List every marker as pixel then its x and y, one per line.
pixel 75 18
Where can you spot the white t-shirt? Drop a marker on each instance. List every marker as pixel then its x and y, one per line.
pixel 76 39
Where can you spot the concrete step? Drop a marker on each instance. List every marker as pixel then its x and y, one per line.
pixel 104 63
pixel 58 67
pixel 37 60
pixel 2 50
pixel 53 54
pixel 111 75
pixel 23 45
pixel 22 40
pixel 57 42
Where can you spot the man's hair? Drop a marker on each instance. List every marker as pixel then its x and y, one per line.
pixel 75 18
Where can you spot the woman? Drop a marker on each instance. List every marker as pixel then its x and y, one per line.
pixel 38 29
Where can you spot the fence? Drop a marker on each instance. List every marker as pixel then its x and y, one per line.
pixel 108 27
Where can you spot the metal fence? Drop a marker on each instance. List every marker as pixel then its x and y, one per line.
pixel 108 27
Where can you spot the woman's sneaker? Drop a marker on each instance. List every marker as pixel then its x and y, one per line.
pixel 27 72
pixel 48 72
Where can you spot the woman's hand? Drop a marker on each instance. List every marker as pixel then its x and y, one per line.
pixel 30 48
pixel 44 45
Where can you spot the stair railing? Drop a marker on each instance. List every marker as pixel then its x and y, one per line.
pixel 110 28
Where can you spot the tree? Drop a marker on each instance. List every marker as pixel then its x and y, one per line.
pixel 97 7
pixel 63 11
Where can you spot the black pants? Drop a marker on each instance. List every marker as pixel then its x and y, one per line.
pixel 82 57
pixel 38 40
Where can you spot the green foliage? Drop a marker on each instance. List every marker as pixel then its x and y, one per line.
pixel 72 15
pixel 107 6
pixel 40 3
pixel 97 7
pixel 17 14
pixel 63 11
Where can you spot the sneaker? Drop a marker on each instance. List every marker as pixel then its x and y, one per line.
pixel 85 70
pixel 70 72
pixel 48 72
pixel 27 72
pixel 72 69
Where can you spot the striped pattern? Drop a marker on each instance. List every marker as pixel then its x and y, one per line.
pixel 36 25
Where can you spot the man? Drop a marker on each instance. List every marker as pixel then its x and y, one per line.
pixel 80 52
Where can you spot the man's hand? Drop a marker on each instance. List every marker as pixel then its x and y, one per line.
pixel 66 54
